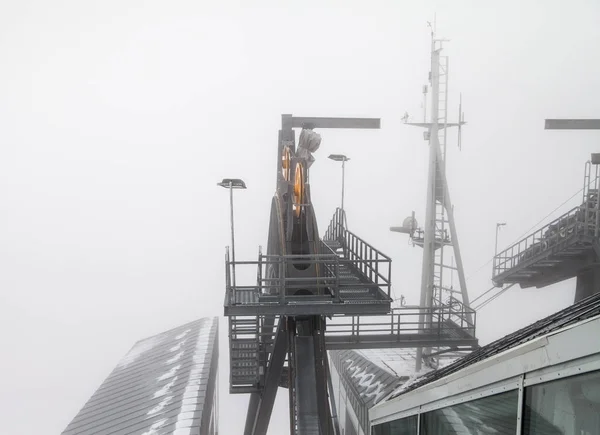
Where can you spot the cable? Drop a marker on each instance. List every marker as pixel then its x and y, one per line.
pixel 481 295
pixel 526 232
pixel 501 292
pixel 542 219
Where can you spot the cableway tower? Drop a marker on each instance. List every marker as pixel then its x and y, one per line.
pixel 438 236
pixel 314 294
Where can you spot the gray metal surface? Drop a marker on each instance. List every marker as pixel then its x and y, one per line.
pixel 365 383
pixel 315 122
pixel 306 391
pixel 260 413
pixel 572 124
pixel 165 382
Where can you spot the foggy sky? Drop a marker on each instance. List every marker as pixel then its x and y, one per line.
pixel 117 119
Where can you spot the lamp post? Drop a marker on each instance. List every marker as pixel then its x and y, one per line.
pixel 498 225
pixel 341 158
pixel 232 183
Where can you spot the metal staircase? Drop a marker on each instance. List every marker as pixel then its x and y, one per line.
pixel 358 306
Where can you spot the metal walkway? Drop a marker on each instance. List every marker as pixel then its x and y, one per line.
pixel 355 279
pixel 558 251
pixel 358 305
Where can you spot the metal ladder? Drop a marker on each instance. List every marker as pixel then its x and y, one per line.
pixel 440 291
pixel 244 355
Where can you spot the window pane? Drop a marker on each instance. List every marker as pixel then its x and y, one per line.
pixel 495 415
pixel 404 426
pixel 569 406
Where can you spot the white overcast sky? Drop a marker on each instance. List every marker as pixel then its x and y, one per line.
pixel 117 118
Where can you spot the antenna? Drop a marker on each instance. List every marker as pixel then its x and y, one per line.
pixel 461 121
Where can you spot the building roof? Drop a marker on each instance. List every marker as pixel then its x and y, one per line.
pixel 162 385
pixel 585 309
pixel 368 376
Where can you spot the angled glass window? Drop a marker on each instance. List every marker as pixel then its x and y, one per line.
pixel 493 415
pixel 403 426
pixel 569 406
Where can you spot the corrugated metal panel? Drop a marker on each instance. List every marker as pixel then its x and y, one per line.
pixel 585 309
pixel 165 382
pixel 365 382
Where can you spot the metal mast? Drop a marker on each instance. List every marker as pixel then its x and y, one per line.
pixel 439 229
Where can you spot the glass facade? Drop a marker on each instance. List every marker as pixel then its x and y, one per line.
pixel 495 414
pixel 569 406
pixel 404 426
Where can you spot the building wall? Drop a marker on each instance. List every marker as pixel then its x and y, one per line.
pixel 550 383
pixel 165 383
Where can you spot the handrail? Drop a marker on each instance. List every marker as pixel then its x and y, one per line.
pixel 363 255
pixel 405 320
pixel 330 265
pixel 581 220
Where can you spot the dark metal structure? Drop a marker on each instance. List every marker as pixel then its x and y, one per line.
pixel 565 248
pixel 313 294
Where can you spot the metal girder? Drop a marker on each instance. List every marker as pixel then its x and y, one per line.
pixel 572 124
pixel 261 404
pixel 317 122
pixel 390 341
pixel 307 309
pixel 428 124
pixel 334 417
pixel 321 375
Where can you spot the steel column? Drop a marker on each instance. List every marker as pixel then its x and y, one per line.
pixel 429 226
pixel 262 410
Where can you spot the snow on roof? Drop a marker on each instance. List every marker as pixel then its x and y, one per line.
pixel 397 362
pixel 161 386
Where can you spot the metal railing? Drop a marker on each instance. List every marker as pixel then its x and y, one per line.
pixel 441 321
pixel 370 262
pixel 579 221
pixel 272 278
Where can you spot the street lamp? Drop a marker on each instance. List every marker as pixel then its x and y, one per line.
pixel 498 225
pixel 341 158
pixel 232 183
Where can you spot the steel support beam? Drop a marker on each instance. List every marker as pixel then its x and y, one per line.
pixel 334 417
pixel 572 124
pixel 315 122
pixel 405 341
pixel 321 374
pixel 454 237
pixel 306 387
pixel 308 309
pixel 260 413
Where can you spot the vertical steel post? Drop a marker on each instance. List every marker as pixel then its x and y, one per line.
pixel 343 181
pixel 429 227
pixel 232 231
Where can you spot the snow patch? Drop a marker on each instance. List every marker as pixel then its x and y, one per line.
pixel 178 346
pixel 175 358
pixel 192 388
pixel 154 428
pixel 165 389
pixel 183 334
pixel 169 374
pixel 161 405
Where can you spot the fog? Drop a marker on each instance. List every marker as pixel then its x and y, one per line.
pixel 117 119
